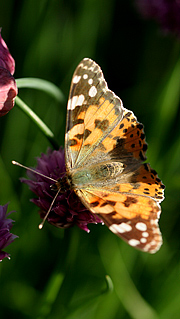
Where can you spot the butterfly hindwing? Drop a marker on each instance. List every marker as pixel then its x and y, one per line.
pixel 134 218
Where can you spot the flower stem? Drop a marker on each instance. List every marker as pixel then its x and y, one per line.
pixel 43 85
pixel 41 125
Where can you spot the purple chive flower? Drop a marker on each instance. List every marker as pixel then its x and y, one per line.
pixel 5 236
pixel 165 12
pixel 8 88
pixel 67 209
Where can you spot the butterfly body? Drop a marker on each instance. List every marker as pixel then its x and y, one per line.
pixel 104 151
pixel 96 174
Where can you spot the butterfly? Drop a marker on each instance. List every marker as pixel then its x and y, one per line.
pixel 104 152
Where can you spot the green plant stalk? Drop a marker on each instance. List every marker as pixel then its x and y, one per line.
pixel 50 295
pixel 40 124
pixel 43 85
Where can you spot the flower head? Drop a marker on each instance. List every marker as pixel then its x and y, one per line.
pixel 165 12
pixel 8 88
pixel 5 236
pixel 67 209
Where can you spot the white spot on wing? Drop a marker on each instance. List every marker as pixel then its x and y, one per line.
pixel 141 226
pixel 153 243
pixel 145 234
pixel 120 228
pixel 143 240
pixel 76 100
pixel 114 228
pixel 76 79
pixel 123 227
pixel 133 242
pixel 154 221
pixel 90 81
pixel 146 248
pixel 92 91
pixel 85 76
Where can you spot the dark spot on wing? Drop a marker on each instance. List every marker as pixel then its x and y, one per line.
pixel 102 125
pixel 121 126
pixel 94 204
pixel 129 201
pixel 97 122
pixel 86 133
pixel 79 136
pixel 127 115
pixel 72 142
pixel 108 202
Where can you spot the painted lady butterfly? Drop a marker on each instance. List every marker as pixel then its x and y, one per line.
pixel 104 149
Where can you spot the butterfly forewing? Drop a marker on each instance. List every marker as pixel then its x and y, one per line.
pixel 134 218
pixel 105 150
pixel 93 111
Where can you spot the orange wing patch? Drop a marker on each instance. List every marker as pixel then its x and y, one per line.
pixel 149 183
pixel 128 139
pixel 134 218
pixel 142 181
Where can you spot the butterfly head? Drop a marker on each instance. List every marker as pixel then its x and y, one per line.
pixel 62 185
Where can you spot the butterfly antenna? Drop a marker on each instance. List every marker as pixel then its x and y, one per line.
pixel 44 219
pixel 34 171
pixel 54 180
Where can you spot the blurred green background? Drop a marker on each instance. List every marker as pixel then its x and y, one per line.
pixel 62 274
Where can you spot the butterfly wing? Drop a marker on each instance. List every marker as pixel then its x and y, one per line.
pixel 92 112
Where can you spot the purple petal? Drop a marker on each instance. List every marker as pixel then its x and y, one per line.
pixel 8 91
pixel 6 59
pixel 5 236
